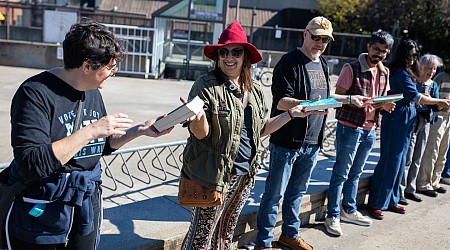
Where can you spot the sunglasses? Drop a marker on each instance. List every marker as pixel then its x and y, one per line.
pixel 414 55
pixel 236 52
pixel 318 38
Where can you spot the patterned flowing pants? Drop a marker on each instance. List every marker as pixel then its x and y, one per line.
pixel 213 227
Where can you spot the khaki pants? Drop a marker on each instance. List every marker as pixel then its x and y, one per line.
pixel 435 155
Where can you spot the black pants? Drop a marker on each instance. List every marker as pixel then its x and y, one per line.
pixel 76 241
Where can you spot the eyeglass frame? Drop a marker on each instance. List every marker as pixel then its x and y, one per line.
pixel 236 52
pixel 316 38
pixel 379 51
pixel 113 68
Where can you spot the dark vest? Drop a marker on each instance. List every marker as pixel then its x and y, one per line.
pixel 361 85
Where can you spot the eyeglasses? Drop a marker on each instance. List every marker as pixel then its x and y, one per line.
pixel 414 56
pixel 236 52
pixel 318 38
pixel 379 51
pixel 113 68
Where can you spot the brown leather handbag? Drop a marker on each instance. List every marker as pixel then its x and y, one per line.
pixel 192 194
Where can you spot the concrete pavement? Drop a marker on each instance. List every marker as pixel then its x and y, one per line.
pixel 147 216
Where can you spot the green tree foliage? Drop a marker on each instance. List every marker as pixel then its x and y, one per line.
pixel 344 14
pixel 426 21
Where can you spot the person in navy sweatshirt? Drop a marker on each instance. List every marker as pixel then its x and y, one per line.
pixel 60 130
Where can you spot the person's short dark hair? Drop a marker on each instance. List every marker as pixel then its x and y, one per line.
pixel 92 41
pixel 382 37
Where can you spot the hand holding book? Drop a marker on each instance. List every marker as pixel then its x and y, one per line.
pixel 320 104
pixel 195 117
pixel 388 106
pixel 148 128
pixel 360 101
pixel 186 112
pixel 300 111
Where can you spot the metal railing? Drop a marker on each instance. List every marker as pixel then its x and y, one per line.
pixel 159 156
pixel 164 159
pixel 329 139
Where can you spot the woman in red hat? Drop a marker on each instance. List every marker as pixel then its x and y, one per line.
pixel 221 152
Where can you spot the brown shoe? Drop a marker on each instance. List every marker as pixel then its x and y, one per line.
pixel 295 243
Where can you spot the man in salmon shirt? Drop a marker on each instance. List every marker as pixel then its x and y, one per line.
pixel 355 133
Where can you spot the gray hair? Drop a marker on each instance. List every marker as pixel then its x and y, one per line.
pixel 431 60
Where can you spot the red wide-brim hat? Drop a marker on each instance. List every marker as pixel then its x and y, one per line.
pixel 233 34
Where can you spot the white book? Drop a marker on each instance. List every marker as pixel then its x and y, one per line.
pixel 180 114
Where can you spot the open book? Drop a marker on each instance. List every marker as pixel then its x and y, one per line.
pixel 321 104
pixel 180 114
pixel 387 98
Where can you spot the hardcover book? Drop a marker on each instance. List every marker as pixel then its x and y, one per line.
pixel 321 104
pixel 180 114
pixel 387 98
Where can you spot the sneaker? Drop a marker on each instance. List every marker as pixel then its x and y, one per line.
pixel 295 243
pixel 356 218
pixel 333 225
pixel 445 181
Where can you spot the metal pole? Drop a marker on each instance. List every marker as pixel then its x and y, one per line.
pixel 238 4
pixel 188 51
pixel 251 27
pixel 225 12
pixel 7 20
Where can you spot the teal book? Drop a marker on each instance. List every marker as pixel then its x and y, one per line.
pixel 321 104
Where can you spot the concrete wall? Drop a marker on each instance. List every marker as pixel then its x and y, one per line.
pixel 28 54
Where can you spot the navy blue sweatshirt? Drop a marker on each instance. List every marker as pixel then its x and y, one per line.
pixel 43 111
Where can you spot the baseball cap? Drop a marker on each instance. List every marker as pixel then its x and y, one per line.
pixel 320 26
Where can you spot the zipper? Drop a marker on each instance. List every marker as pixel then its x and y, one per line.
pixel 100 218
pixel 70 227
